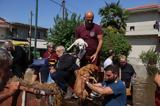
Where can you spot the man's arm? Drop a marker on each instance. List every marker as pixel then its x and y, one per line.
pixel 157 79
pixel 8 90
pixel 100 89
pixel 5 94
pixel 100 42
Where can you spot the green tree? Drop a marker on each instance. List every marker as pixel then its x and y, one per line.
pixel 114 26
pixel 113 15
pixel 62 32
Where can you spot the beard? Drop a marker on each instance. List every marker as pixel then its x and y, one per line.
pixel 88 25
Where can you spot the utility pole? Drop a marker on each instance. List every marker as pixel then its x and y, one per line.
pixel 63 9
pixel 35 36
pixel 30 35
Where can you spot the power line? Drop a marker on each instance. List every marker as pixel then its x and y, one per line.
pixel 59 4
pixel 56 2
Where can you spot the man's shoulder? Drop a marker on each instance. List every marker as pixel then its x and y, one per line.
pixel 80 26
pixel 97 25
pixel 118 84
pixel 67 56
pixel 129 65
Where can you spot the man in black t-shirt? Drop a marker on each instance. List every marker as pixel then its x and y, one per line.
pixel 127 71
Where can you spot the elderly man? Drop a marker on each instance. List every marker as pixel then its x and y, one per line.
pixel 6 89
pixel 63 74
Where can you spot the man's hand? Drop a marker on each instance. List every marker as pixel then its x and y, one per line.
pixel 85 78
pixel 52 69
pixel 93 57
pixel 13 86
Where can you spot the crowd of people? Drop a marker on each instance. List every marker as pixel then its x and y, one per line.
pixel 61 67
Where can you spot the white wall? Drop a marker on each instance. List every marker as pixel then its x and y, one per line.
pixel 144 16
pixel 142 43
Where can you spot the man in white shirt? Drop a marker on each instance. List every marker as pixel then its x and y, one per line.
pixel 109 60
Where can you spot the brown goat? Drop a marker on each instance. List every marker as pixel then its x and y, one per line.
pixel 79 86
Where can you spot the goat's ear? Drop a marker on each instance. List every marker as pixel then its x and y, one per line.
pixel 86 44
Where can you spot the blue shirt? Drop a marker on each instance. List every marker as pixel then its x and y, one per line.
pixel 118 98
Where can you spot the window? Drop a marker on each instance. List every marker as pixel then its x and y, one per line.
pixel 156 25
pixel 132 28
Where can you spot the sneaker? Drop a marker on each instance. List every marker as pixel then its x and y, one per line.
pixel 75 96
pixel 69 93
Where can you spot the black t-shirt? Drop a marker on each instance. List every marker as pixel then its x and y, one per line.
pixel 127 72
pixel 67 63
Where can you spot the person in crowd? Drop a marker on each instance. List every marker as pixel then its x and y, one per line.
pixel 157 92
pixel 19 58
pixel 109 59
pixel 50 54
pixel 92 34
pixel 127 74
pixel 63 74
pixel 127 70
pixel 113 89
pixel 6 89
pixel 52 58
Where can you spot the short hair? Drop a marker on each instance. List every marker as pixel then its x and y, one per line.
pixel 5 59
pixel 50 44
pixel 60 47
pixel 110 52
pixel 113 68
pixel 122 57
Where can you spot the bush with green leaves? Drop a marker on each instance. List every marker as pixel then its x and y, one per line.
pixel 63 31
pixel 113 15
pixel 116 42
pixel 113 22
pixel 150 59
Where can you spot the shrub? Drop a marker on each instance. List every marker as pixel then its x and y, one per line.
pixel 150 59
pixel 115 41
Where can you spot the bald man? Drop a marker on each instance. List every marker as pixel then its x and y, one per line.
pixel 93 35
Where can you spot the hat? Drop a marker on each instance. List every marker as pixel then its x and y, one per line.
pixel 52 62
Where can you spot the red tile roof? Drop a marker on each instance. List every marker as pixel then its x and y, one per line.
pixel 150 6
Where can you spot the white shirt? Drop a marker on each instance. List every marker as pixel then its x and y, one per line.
pixel 107 62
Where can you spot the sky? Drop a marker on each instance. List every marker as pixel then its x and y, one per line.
pixel 19 10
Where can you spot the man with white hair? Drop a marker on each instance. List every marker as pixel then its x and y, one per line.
pixel 63 74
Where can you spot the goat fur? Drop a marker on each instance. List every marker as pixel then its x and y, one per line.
pixel 79 86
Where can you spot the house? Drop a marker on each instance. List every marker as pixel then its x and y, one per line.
pixel 143 29
pixel 10 30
